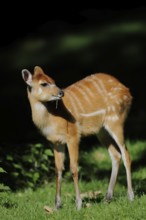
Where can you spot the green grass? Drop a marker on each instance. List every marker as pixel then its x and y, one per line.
pixel 29 205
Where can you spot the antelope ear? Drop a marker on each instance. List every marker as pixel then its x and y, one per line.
pixel 27 76
pixel 38 70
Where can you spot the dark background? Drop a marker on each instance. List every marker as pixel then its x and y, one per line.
pixel 70 44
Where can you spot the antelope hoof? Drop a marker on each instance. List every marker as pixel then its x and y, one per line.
pixel 58 204
pixel 108 197
pixel 78 204
pixel 131 196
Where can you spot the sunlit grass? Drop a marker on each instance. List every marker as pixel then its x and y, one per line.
pixel 29 204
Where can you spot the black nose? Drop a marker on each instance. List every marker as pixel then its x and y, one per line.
pixel 61 93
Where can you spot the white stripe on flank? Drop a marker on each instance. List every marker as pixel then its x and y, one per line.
pixel 84 94
pixel 87 90
pixel 92 80
pixel 108 108
pixel 102 85
pixel 99 112
pixel 76 102
pixel 73 108
pixel 95 83
pixel 113 108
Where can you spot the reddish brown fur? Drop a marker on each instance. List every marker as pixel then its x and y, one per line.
pixel 98 104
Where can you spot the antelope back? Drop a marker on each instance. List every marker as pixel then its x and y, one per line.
pixel 98 99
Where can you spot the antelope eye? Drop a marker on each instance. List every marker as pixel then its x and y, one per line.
pixel 44 84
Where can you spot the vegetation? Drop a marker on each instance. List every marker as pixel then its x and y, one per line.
pixel 94 177
pixel 26 166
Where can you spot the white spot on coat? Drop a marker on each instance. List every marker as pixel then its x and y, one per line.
pixel 125 97
pixel 112 118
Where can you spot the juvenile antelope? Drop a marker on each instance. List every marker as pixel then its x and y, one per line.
pixel 97 104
